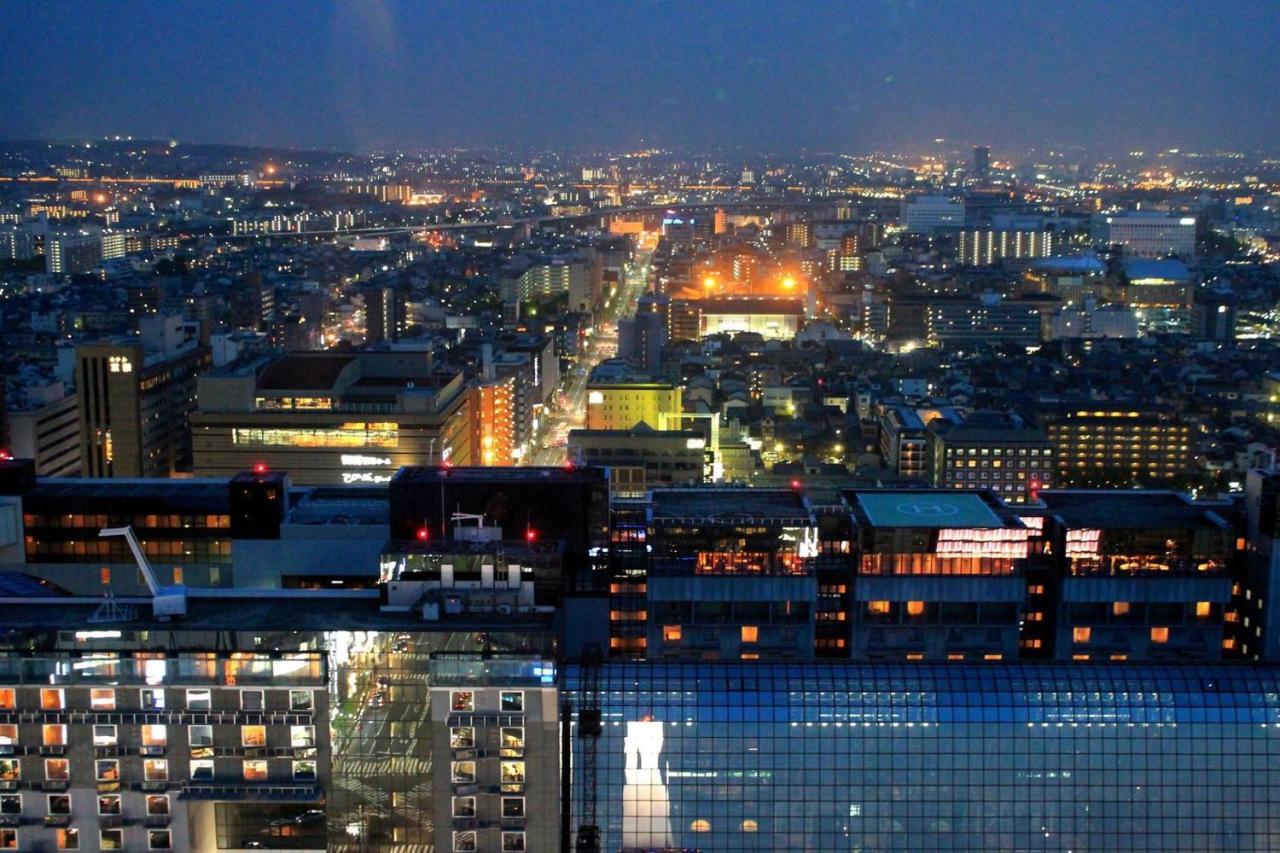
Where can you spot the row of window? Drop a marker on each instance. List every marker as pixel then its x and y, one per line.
pixel 68 838
pixel 151 699
pixel 138 522
pixel 466 842
pixel 59 805
pixel 157 770
pixel 509 701
pixel 55 734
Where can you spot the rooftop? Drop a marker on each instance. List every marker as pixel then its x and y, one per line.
pixel 1108 508
pixel 733 504
pixel 478 474
pixel 924 509
pixel 303 372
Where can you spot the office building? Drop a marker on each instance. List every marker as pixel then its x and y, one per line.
pixel 1146 575
pixel 938 575
pixel 386 313
pixel 1073 279
pixel 331 417
pixel 642 458
pixel 992 451
pixel 904 436
pixel 770 317
pixel 136 398
pixel 930 214
pixel 624 402
pixel 44 426
pixel 1119 444
pixel 1151 234
pixel 1163 283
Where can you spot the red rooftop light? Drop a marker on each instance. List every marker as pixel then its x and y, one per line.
pixel 260 468
pixel 795 484
pixel 422 534
pixel 530 535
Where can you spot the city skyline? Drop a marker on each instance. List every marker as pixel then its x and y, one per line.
pixel 360 77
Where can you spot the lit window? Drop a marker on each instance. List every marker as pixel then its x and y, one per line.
pixel 109 804
pixel 915 608
pixel 157 804
pixel 750 634
pixel 512 772
pixel 10 770
pixel 1202 609
pixel 462 700
pixel 8 700
pixel 68 839
pixel 253 735
pixel 462 737
pixel 102 699
pixel 53 735
pixel 104 735
pixel 8 839
pixel 155 770
pixel 255 771
pixel 177 579
pixel 202 770
pixel 152 700
pixel 1081 634
pixel 302 737
pixel 154 736
pixel 107 770
pixel 700 825
pixel 199 700
pixel 304 771
pixel 464 772
pixel 1159 635
pixel 512 739
pixel 511 701
pixel 1120 608
pixel 57 769
pixel 671 633
pixel 200 735
pixel 51 699
pixel 878 608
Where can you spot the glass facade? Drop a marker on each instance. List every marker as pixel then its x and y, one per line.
pixel 921 757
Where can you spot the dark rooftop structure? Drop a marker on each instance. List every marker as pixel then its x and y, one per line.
pixel 717 506
pixel 1105 508
pixel 317 372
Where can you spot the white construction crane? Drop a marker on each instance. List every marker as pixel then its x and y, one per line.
pixel 166 601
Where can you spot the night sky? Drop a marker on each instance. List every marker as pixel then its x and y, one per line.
pixel 777 75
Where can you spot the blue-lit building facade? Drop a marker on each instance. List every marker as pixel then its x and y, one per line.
pixel 821 757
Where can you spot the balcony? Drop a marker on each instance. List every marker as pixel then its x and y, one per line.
pixel 256 792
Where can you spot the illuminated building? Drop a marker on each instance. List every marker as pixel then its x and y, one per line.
pixel 330 417
pixel 1072 279
pixel 984 247
pixel 492 421
pixel 991 451
pixel 623 403
pixel 386 313
pixel 904 437
pixel 684 320
pixel 1158 284
pixel 69 253
pixel 1149 234
pixel 1123 444
pixel 731 576
pixel 642 458
pixel 136 398
pixel 1255 608
pixel 770 317
pixel 1091 321
pixel 937 575
pixel 932 214
pixel 816 756
pixel 16 243
pixel 984 320
pixel 1145 575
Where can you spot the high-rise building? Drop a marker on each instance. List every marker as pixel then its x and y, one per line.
pixel 623 403
pixel 44 425
pixel 492 421
pixel 981 161
pixel 135 400
pixel 386 313
pixel 72 252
